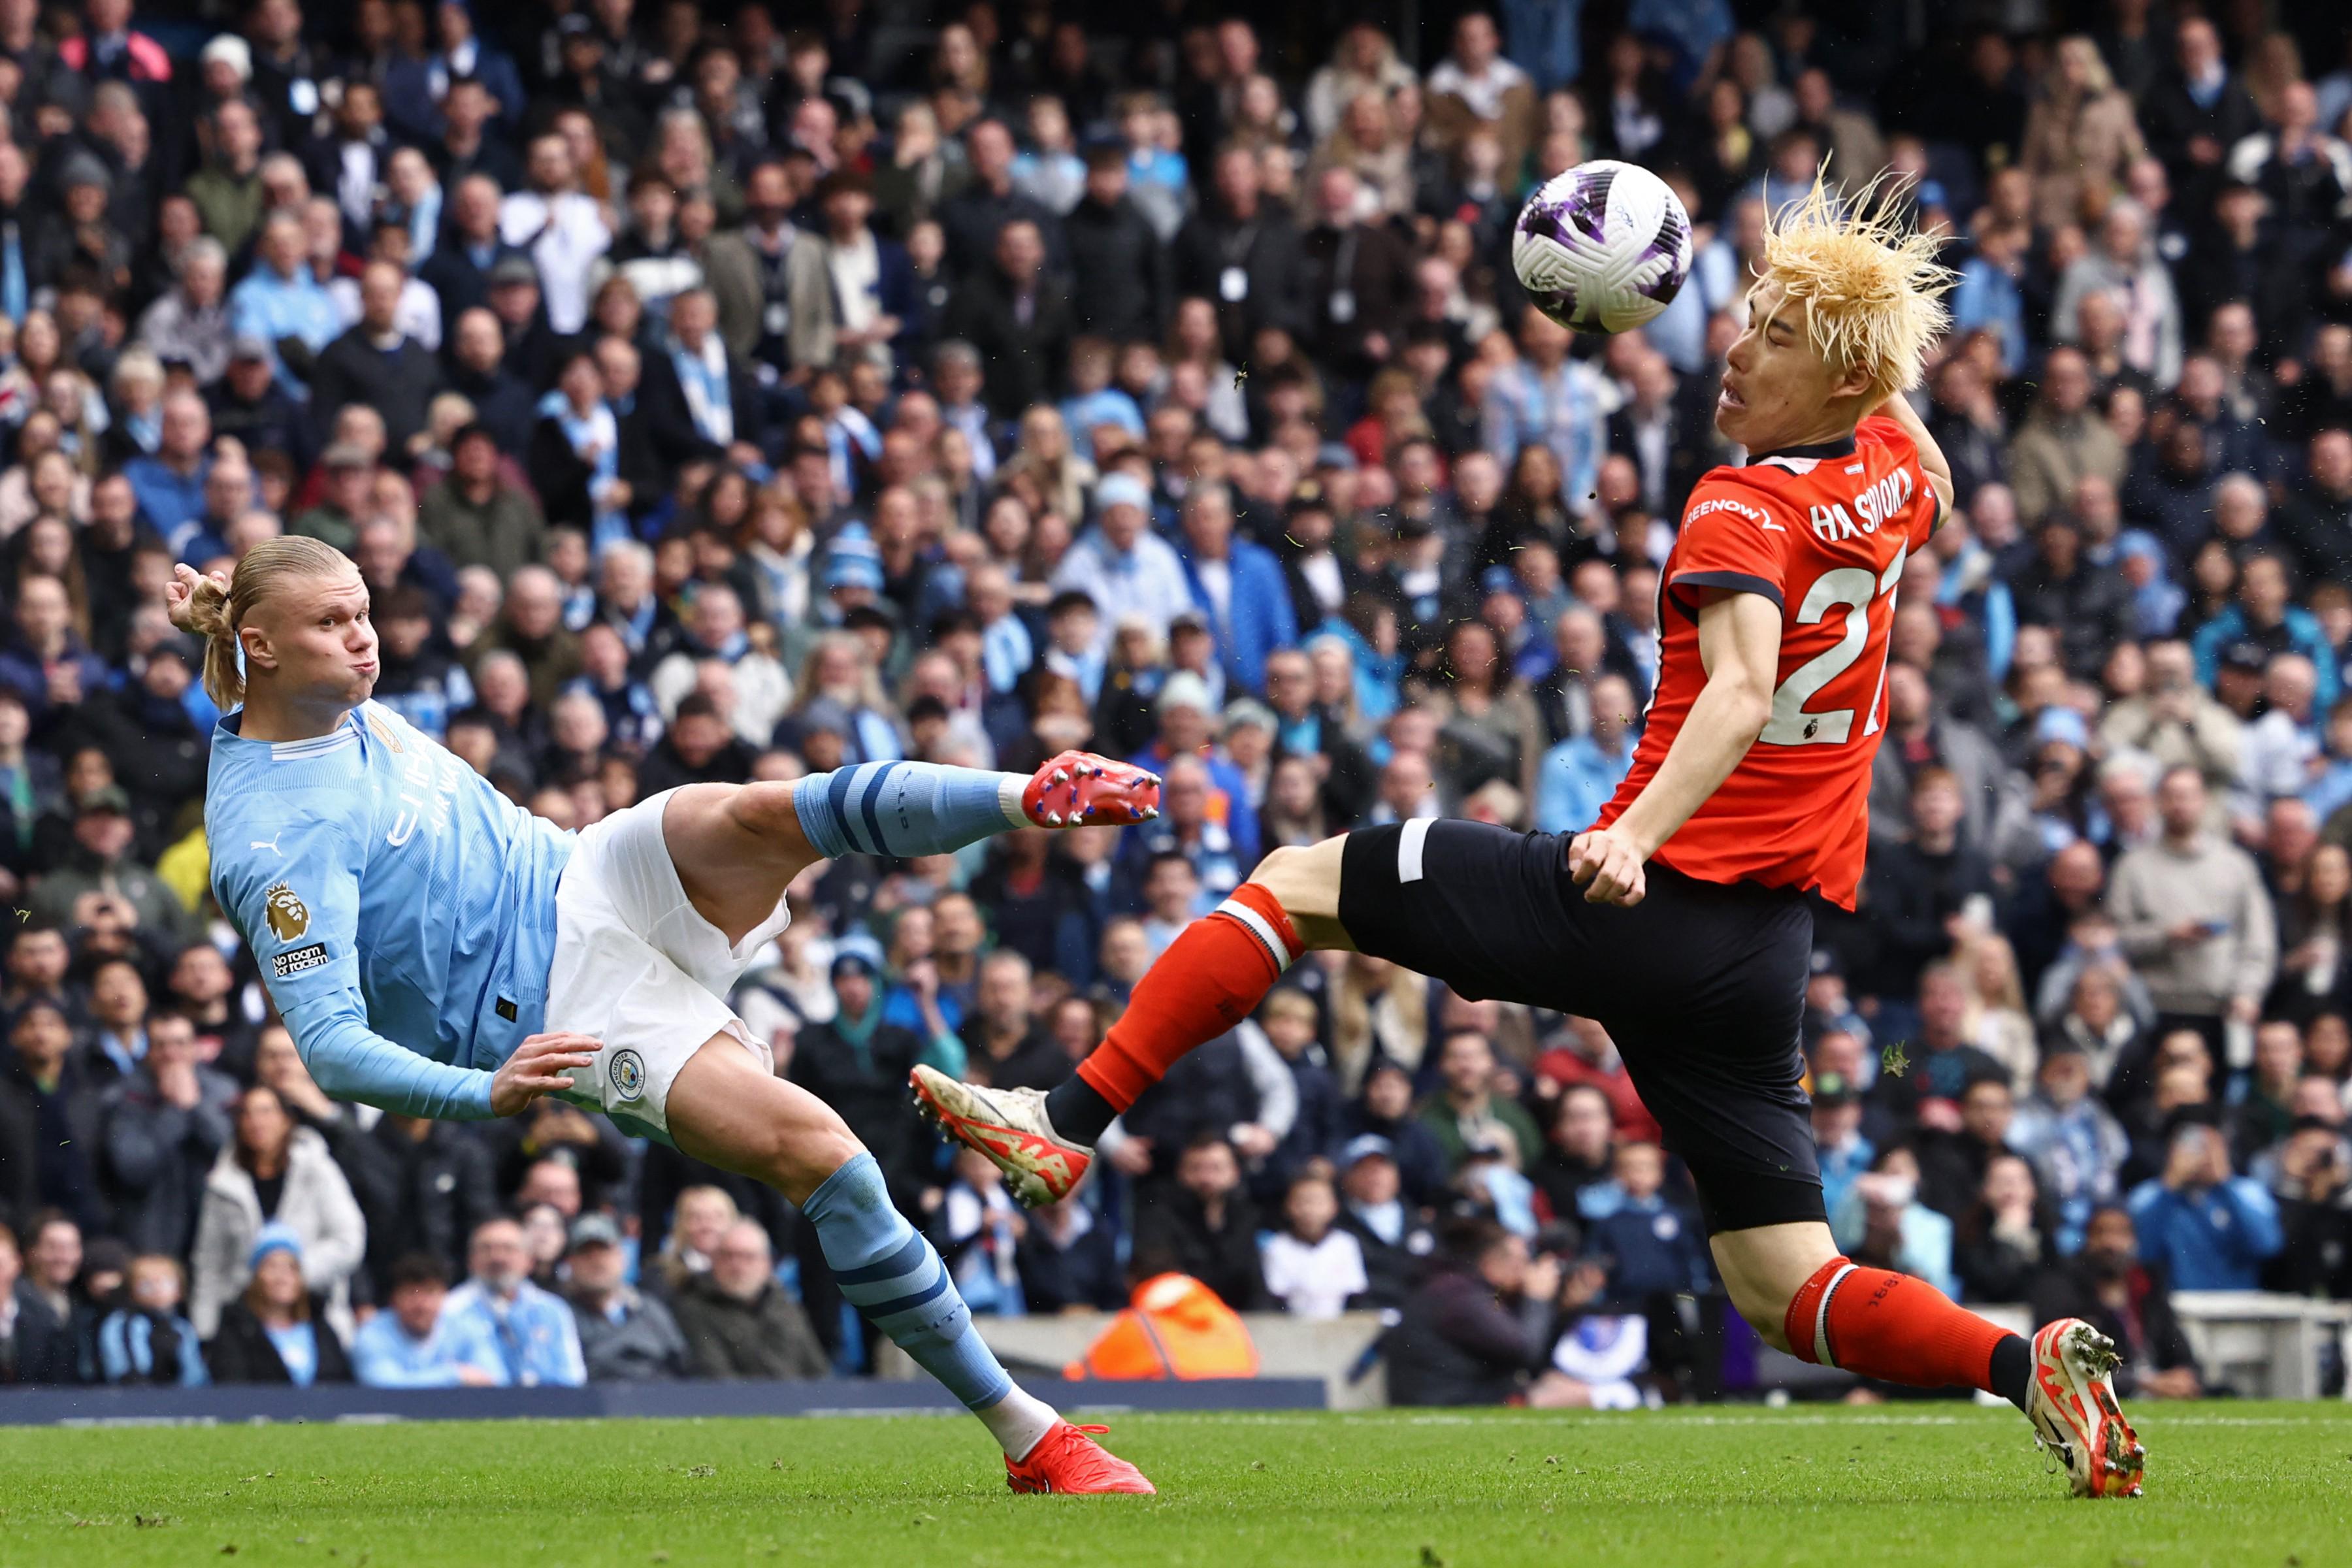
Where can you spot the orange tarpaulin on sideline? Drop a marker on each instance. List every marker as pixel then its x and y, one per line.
pixel 1176 1328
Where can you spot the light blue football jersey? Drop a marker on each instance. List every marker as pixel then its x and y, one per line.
pixel 402 912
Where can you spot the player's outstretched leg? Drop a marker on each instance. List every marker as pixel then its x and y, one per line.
pixel 737 846
pixel 1210 978
pixel 1791 1283
pixel 723 1109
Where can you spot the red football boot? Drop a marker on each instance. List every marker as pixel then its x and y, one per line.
pixel 1078 789
pixel 2073 1407
pixel 1068 1459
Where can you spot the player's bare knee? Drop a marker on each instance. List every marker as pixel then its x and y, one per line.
pixel 1302 878
pixel 764 810
pixel 794 1153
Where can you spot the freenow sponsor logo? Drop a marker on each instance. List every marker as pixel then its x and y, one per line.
pixel 1725 503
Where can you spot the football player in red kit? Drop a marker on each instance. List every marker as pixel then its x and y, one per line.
pixel 1678 919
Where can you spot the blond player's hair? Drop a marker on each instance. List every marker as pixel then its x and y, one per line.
pixel 214 612
pixel 1872 285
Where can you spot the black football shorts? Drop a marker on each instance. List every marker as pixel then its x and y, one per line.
pixel 1701 985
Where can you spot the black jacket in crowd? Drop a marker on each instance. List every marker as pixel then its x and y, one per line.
pixel 1172 1233
pixel 420 1195
pixel 1126 284
pixel 1271 273
pixel 1025 359
pixel 398 383
pixel 240 1351
pixel 1458 1343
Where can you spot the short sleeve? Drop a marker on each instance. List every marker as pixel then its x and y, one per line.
pixel 1733 537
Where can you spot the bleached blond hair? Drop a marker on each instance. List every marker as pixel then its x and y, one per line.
pixel 1872 285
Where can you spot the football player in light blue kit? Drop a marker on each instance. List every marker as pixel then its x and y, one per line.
pixel 439 951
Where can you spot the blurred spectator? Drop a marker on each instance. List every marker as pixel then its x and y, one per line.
pixel 738 1322
pixel 144 1339
pixel 1646 1244
pixel 1068 1261
pixel 978 1229
pixel 1481 1328
pixel 531 1330
pixel 1884 1222
pixel 1313 1268
pixel 50 1112
pixel 2062 441
pixel 164 1126
pixel 2107 1284
pixel 415 1342
pixel 1203 1225
pixel 1577 777
pixel 50 1319
pixel 1467 1113
pixel 276 1330
pixel 2193 916
pixel 2310 1172
pixel 2205 1228
pixel 273 1172
pixel 858 1063
pixel 1952 1164
pixel 2071 1139
pixel 624 1336
pixel 1394 1238
pixel 424 1187
pixel 2003 1238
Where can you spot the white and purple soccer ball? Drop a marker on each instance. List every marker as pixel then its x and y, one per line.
pixel 1602 248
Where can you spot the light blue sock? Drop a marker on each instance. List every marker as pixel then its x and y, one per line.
pixel 905 809
pixel 892 1275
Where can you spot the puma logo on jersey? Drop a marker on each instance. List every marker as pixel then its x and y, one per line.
pixel 1879 502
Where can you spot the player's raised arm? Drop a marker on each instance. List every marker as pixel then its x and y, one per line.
pixel 1739 643
pixel 1932 462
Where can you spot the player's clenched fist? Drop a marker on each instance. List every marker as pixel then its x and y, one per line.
pixel 541 1065
pixel 179 595
pixel 1604 863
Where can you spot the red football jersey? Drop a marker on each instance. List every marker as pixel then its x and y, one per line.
pixel 1822 533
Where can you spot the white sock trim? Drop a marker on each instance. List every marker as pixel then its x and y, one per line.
pixel 1262 929
pixel 1009 787
pixel 1018 1421
pixel 1822 1318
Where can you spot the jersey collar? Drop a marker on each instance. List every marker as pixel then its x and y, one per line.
pixel 346 733
pixel 1819 452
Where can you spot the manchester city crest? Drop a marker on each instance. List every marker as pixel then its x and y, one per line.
pixel 628 1073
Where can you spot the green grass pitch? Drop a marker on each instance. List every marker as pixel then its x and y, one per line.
pixel 2263 1484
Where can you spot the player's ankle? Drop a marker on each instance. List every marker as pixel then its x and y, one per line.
pixel 1078 1111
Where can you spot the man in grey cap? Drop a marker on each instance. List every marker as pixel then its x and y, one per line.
pixel 624 1336
pixel 102 863
pixel 1119 563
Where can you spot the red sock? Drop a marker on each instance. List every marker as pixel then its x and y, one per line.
pixel 1892 1327
pixel 1210 978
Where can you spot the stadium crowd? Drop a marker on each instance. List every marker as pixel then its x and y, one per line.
pixel 705 400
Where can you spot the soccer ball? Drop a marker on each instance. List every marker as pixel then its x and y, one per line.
pixel 1602 248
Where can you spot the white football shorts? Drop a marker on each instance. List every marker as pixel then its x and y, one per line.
pixel 636 967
